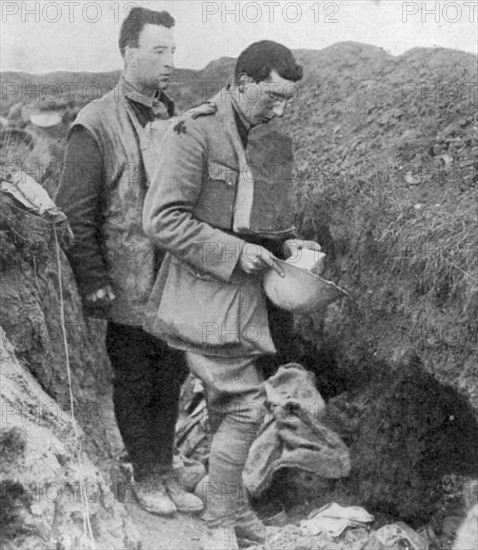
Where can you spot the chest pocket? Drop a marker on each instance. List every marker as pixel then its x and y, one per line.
pixel 222 173
pixel 215 204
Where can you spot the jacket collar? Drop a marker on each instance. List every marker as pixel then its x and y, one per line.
pixel 158 103
pixel 226 106
pixel 245 184
pixel 234 93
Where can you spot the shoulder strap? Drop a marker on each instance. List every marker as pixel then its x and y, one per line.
pixel 205 109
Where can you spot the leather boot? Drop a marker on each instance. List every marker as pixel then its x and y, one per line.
pixel 153 497
pixel 220 537
pixel 249 528
pixel 183 501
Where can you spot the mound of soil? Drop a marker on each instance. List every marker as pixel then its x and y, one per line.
pixel 40 476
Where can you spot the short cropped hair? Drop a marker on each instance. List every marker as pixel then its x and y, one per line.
pixel 260 58
pixel 135 22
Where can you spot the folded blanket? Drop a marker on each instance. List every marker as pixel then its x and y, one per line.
pixel 293 436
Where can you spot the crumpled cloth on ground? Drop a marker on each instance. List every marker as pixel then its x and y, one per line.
pixel 293 436
pixel 396 536
pixel 333 519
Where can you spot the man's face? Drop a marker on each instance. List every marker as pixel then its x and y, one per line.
pixel 262 102
pixel 151 63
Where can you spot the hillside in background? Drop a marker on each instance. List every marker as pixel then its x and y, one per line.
pixel 386 179
pixel 70 90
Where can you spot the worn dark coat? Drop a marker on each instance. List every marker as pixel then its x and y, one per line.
pixel 113 229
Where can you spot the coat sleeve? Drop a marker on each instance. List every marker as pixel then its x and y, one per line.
pixel 169 204
pixel 79 196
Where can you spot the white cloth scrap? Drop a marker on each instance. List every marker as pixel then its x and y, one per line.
pixel 334 519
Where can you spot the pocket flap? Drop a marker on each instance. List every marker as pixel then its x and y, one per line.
pixel 222 172
pixel 196 273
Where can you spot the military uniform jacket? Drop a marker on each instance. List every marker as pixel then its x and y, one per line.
pixel 198 208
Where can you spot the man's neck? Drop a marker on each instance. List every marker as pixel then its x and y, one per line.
pixel 141 87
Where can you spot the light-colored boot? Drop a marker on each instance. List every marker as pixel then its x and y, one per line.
pixel 183 501
pixel 153 497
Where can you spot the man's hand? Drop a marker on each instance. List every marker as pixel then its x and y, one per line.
pixel 291 247
pixel 102 296
pixel 255 259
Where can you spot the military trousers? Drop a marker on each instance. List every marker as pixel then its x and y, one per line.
pixel 235 399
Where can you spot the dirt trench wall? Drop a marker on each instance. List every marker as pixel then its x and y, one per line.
pixel 401 363
pixel 387 182
pixel 41 506
pixel 40 496
pixel 30 316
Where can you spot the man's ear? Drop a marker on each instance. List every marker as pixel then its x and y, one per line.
pixel 242 81
pixel 128 55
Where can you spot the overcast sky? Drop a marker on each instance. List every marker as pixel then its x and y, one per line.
pixel 82 35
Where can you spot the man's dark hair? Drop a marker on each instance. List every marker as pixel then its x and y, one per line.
pixel 259 59
pixel 135 22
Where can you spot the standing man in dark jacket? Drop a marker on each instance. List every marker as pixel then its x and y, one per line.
pixel 108 164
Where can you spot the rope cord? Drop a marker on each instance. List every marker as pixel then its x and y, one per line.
pixel 87 530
